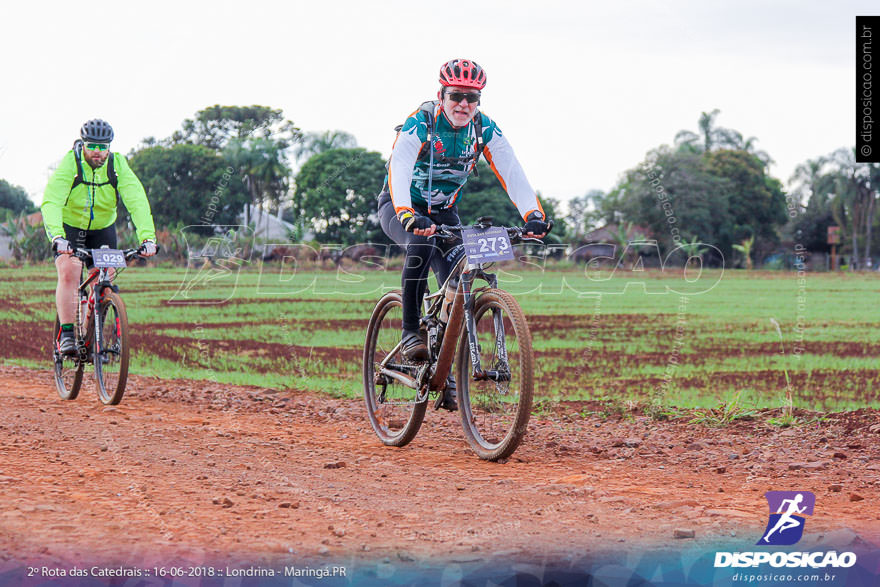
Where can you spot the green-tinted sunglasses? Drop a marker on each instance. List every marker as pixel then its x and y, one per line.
pixel 97 146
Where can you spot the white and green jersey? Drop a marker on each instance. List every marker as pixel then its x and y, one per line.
pixel 455 156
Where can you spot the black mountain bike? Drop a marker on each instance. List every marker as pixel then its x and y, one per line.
pixel 482 329
pixel 100 328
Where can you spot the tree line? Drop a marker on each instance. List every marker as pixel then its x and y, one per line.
pixel 710 186
pixel 332 194
pixel 713 186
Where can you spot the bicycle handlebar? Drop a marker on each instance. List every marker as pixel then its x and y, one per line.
pixel 86 254
pixel 514 232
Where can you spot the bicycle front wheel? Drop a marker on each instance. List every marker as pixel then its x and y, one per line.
pixel 495 412
pixel 394 413
pixel 68 370
pixel 111 350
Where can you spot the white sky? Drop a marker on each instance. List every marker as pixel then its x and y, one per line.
pixel 583 90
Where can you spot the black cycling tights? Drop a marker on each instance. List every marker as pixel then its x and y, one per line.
pixel 422 254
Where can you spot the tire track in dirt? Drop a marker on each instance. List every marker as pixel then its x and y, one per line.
pixel 197 471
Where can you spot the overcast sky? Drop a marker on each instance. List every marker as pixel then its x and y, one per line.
pixel 583 90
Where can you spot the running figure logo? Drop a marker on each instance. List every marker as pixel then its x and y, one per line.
pixel 787 510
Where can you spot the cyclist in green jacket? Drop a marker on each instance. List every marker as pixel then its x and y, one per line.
pixel 79 210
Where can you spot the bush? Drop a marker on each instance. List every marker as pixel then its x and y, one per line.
pixel 29 243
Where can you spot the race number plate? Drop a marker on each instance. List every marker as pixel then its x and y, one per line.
pixel 108 258
pixel 486 245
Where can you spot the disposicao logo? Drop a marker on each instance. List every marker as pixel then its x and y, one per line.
pixel 787 510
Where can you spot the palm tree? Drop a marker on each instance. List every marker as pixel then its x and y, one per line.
pixel 712 137
pixel 694 248
pixel 706 140
pixel 263 167
pixel 854 199
pixel 746 249
pixel 624 236
pixel 313 143
pixel 749 147
pixel 807 180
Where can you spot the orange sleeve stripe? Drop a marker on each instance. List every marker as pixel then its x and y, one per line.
pixel 455 196
pixel 504 185
pixel 494 169
pixel 390 189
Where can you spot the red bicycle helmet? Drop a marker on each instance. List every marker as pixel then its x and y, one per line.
pixel 464 73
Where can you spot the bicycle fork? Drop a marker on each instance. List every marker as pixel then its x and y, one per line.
pixel 101 351
pixel 99 327
pixel 479 374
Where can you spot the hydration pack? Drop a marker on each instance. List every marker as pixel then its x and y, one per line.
pixel 112 177
pixel 424 153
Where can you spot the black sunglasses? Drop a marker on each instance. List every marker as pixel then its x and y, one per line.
pixel 471 97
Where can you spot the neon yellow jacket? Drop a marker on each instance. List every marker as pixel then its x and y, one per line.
pixel 91 205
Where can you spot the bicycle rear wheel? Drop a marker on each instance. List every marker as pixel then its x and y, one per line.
pixel 68 370
pixel 394 413
pixel 111 350
pixel 495 414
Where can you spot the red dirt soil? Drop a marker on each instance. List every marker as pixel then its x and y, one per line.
pixel 195 471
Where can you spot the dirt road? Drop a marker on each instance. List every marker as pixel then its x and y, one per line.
pixel 198 471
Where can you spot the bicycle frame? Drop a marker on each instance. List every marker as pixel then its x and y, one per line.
pixel 494 420
pixel 99 278
pixel 460 315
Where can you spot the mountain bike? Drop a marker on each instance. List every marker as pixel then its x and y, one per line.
pixel 100 329
pixel 483 329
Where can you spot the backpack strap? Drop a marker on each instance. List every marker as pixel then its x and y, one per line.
pixel 111 172
pixel 112 176
pixel 77 156
pixel 428 108
pixel 478 129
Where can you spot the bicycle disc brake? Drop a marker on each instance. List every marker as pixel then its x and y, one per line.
pixel 502 383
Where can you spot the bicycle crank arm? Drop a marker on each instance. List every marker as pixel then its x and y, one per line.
pixel 387 358
pixel 400 377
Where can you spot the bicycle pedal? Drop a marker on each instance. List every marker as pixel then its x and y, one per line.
pixel 446 403
pixel 415 362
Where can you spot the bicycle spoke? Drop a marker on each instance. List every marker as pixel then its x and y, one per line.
pixel 68 371
pixel 391 406
pixel 111 352
pixel 495 411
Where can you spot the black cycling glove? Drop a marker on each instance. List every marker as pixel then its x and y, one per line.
pixel 412 221
pixel 535 223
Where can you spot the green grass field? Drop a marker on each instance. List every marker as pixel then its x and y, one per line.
pixel 626 336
